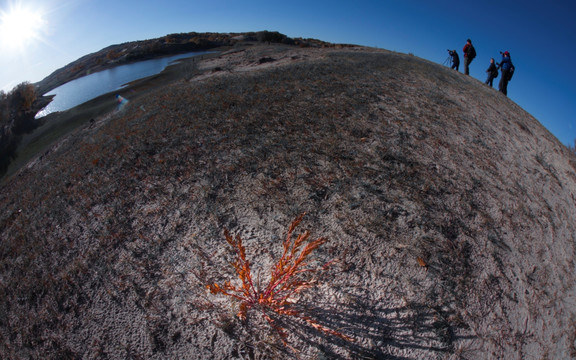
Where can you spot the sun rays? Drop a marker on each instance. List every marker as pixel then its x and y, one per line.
pixel 20 26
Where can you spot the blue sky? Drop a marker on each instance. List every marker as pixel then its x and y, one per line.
pixel 540 35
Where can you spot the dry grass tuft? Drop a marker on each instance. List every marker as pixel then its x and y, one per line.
pixel 289 277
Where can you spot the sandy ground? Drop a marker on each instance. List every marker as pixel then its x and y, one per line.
pixel 448 209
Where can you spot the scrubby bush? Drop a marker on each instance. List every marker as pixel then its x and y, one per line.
pixel 113 55
pixel 288 278
pixel 273 37
pixel 16 119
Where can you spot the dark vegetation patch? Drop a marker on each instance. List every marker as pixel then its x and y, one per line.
pixel 17 110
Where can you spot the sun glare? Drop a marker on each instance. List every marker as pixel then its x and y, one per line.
pixel 20 26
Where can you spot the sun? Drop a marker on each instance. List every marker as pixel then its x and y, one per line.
pixel 20 26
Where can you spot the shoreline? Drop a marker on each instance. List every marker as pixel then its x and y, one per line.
pixel 221 60
pixel 57 125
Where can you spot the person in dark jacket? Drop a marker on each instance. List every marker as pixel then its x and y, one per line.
pixel 492 72
pixel 455 59
pixel 469 55
pixel 506 69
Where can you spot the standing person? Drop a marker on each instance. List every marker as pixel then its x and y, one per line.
pixel 455 59
pixel 507 69
pixel 469 55
pixel 492 72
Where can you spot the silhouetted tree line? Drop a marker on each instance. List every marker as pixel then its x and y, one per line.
pixel 16 119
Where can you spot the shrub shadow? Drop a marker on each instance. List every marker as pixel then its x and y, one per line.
pixel 379 333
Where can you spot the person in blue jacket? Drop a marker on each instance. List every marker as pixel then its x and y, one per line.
pixel 507 70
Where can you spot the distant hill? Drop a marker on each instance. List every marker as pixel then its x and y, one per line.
pixel 120 54
pixel 450 215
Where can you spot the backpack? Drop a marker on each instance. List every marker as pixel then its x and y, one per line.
pixel 471 52
pixel 495 74
pixel 511 72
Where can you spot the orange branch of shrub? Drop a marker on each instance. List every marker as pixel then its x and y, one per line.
pixel 286 280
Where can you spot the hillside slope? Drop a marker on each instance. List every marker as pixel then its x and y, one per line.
pixel 450 212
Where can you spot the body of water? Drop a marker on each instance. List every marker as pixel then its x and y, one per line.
pixel 88 87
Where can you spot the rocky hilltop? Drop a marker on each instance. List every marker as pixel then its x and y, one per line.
pixel 449 213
